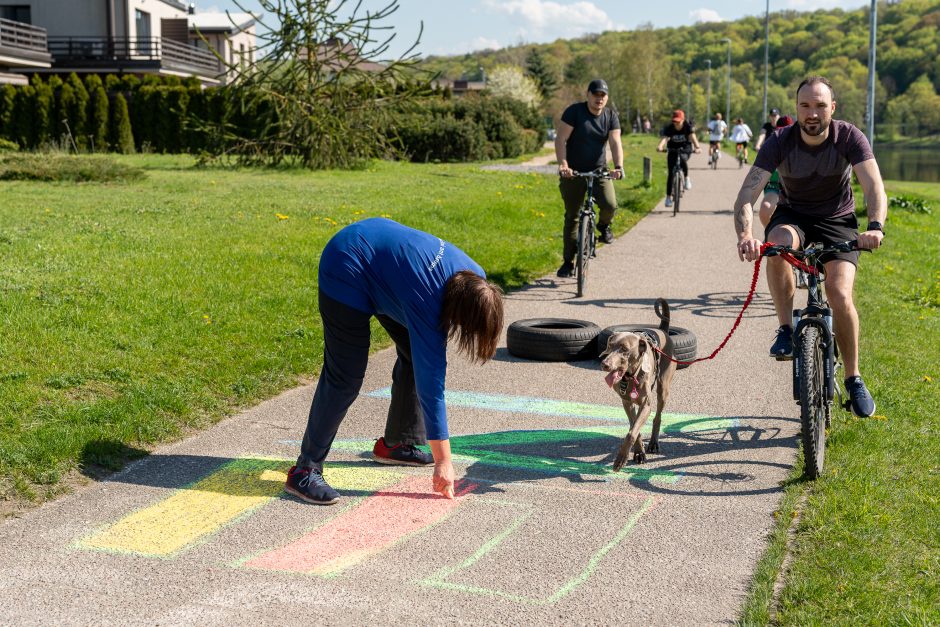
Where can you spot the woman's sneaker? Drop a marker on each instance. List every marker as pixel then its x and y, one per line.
pixel 400 455
pixel 308 485
pixel 668 201
pixel 860 400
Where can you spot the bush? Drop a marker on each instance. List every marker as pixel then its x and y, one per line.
pixel 7 102
pixel 98 119
pixel 440 139
pixel 7 146
pixel 56 167
pixel 77 111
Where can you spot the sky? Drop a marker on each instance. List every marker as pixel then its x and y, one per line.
pixel 460 26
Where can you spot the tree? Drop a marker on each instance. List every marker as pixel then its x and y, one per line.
pixel 537 68
pixel 98 119
pixel 77 112
pixel 508 81
pixel 121 138
pixel 319 96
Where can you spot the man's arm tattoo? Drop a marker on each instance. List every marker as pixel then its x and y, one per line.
pixel 744 206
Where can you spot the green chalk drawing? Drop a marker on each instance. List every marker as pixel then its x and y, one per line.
pixel 439 579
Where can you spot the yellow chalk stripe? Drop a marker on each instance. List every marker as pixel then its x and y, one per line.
pixel 194 512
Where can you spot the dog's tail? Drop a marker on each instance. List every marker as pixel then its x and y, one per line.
pixel 661 307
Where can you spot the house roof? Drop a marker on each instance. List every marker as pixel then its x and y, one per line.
pixel 229 22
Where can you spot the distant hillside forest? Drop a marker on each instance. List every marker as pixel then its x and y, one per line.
pixel 653 71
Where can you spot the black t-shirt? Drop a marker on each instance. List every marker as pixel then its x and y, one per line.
pixel 768 130
pixel 679 138
pixel 585 145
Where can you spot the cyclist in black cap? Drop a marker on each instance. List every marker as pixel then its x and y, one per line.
pixel 582 133
pixel 768 128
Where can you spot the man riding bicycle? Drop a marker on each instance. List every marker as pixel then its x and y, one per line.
pixel 582 133
pixel 716 132
pixel 815 159
pixel 682 142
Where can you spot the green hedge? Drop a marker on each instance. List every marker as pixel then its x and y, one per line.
pixel 169 114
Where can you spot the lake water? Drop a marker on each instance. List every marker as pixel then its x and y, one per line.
pixel 909 164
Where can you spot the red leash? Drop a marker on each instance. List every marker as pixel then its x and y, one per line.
pixel 790 258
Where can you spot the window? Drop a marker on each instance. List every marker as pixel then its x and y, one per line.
pixel 142 23
pixel 17 13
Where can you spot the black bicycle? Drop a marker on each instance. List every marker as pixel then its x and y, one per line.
pixel 815 353
pixel 678 181
pixel 587 219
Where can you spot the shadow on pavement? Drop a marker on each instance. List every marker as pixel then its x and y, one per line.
pixel 709 305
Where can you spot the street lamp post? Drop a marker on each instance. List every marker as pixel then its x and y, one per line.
pixel 873 31
pixel 728 101
pixel 708 98
pixel 766 53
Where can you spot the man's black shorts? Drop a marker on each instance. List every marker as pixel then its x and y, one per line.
pixel 822 230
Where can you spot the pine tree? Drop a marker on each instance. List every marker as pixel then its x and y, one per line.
pixel 121 136
pixel 537 68
pixel 7 104
pixel 98 119
pixel 77 112
pixel 24 128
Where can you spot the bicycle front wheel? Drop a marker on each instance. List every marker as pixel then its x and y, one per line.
pixel 813 405
pixel 678 184
pixel 585 231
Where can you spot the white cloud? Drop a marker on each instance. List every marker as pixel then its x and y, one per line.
pixel 544 19
pixel 705 15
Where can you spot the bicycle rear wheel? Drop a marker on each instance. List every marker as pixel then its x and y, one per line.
pixel 585 231
pixel 813 403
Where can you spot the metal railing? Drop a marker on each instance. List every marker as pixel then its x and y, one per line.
pixel 25 36
pixel 134 50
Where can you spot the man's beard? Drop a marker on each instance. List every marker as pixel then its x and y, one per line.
pixel 821 127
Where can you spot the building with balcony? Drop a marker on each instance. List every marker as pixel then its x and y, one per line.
pixel 230 35
pixel 118 36
pixel 23 48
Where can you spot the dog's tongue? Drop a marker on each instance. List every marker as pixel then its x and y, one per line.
pixel 613 377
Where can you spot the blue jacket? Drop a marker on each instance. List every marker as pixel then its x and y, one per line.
pixel 381 267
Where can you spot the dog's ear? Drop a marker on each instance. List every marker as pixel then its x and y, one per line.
pixel 646 356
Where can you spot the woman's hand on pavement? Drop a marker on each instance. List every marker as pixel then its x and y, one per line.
pixel 444 479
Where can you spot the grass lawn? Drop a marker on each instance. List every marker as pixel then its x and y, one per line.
pixel 132 312
pixel 866 547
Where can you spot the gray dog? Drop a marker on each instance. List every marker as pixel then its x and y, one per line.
pixel 633 369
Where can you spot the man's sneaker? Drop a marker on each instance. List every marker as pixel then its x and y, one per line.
pixel 308 484
pixel 668 201
pixel 860 400
pixel 401 455
pixel 688 183
pixel 566 270
pixel 607 235
pixel 782 347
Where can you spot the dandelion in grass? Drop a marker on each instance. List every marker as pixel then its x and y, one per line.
pixel 206 319
pixel 385 215
pixel 927 378
pixel 281 216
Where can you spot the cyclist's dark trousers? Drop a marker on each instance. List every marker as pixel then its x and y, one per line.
pixel 345 355
pixel 670 164
pixel 572 193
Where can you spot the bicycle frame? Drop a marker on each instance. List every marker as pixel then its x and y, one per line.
pixel 818 314
pixel 587 221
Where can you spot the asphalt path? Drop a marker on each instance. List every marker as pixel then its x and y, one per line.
pixel 542 531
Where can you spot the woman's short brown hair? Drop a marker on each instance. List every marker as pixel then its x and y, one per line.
pixel 472 314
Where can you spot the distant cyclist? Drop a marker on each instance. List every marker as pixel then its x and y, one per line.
pixel 772 189
pixel 816 158
pixel 768 128
pixel 717 128
pixel 741 135
pixel 682 142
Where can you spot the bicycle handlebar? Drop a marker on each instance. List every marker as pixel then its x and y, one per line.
pixel 599 173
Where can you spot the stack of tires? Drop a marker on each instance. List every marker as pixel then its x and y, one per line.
pixel 564 339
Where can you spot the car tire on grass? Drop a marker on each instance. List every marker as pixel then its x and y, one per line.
pixel 553 339
pixel 684 342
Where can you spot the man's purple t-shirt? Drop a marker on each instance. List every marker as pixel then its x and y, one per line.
pixel 816 180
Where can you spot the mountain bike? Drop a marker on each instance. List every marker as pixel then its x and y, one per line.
pixel 740 156
pixel 815 353
pixel 713 157
pixel 678 182
pixel 587 219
